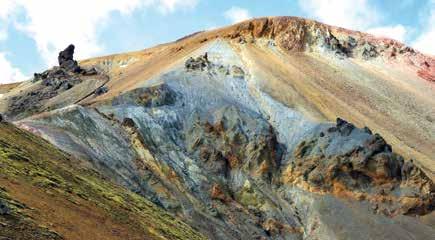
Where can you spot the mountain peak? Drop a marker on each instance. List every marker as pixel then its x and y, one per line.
pixel 240 131
pixel 296 34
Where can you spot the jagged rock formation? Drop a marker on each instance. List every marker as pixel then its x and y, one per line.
pixel 67 62
pixel 230 131
pixel 234 140
pixel 66 59
pixel 200 62
pixel 353 162
pixel 50 87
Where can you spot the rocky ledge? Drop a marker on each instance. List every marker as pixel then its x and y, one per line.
pixel 352 162
pixel 49 84
pixel 295 34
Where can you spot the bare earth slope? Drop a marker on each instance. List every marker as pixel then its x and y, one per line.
pixel 239 131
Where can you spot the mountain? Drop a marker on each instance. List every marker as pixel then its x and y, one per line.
pixel 274 128
pixel 47 194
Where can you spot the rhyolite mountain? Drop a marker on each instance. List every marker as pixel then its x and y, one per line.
pixel 273 128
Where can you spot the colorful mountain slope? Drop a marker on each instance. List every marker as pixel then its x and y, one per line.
pixel 46 194
pixel 239 131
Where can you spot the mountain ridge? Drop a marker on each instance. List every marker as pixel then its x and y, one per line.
pixel 239 131
pixel 190 44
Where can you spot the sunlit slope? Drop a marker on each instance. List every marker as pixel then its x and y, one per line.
pixel 390 100
pixel 378 83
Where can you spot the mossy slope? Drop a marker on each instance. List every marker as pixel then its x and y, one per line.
pixel 46 194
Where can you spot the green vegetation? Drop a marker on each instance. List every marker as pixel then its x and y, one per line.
pixel 27 158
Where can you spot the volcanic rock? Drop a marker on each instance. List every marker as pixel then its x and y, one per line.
pixel 156 96
pixel 66 59
pixel 363 166
pixel 199 63
pixel 234 140
pixel 336 46
pixel 369 51
pixel 128 122
pixel 51 83
pixel 89 72
pixel 4 209
pixel 101 90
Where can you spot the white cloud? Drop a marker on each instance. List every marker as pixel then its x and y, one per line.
pixel 355 14
pixel 53 24
pixel 397 32
pixel 237 14
pixel 166 6
pixel 6 8
pixel 9 73
pixel 425 41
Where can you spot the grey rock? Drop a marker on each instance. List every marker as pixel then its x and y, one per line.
pixel 101 90
pixel 89 72
pixel 364 164
pixel 128 122
pixel 4 209
pixel 199 63
pixel 369 51
pixel 66 59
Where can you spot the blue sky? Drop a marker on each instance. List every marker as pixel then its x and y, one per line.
pixel 33 31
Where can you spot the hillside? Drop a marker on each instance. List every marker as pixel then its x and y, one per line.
pixel 314 68
pixel 46 194
pixel 274 128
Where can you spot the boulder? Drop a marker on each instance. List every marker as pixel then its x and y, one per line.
pixel 101 90
pixel 4 209
pixel 89 72
pixel 128 122
pixel 66 59
pixel 66 55
pixel 344 127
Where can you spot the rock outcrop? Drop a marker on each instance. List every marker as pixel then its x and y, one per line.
pixel 234 140
pixel 49 84
pixel 66 59
pixel 199 63
pixel 352 162
pixel 67 62
pixel 52 83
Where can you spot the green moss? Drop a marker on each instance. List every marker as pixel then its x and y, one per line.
pixel 29 158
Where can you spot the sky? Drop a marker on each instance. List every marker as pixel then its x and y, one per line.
pixel 32 32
